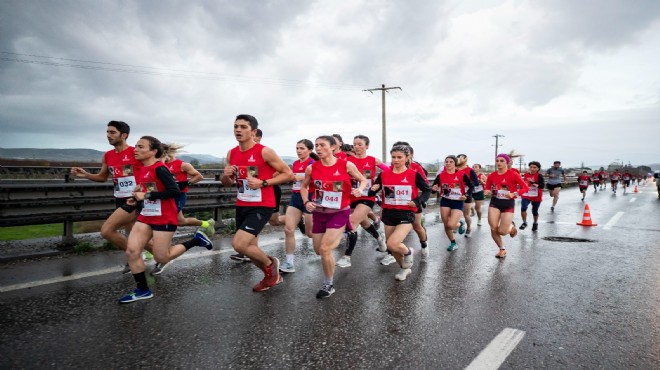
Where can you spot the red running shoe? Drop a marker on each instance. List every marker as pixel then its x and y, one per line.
pixel 271 276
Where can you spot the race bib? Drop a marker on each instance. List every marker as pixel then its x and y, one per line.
pixel 298 184
pixel 532 192
pixel 478 188
pixel 584 183
pixel 502 194
pixel 151 208
pixel 245 193
pixel 124 186
pixel 328 199
pixel 398 195
pixel 455 194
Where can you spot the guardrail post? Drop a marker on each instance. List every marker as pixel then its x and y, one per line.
pixel 68 178
pixel 68 239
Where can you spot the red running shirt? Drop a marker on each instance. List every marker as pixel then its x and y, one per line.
pixel 157 211
pixel 251 163
pixel 298 169
pixel 179 175
pixel 367 167
pixel 451 184
pixel 331 186
pixel 535 193
pixel 502 185
pixel 399 189
pixel 124 170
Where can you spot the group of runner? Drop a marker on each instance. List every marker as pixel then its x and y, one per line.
pixel 600 177
pixel 332 194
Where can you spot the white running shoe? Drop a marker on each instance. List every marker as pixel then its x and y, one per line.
pixel 479 222
pixel 425 252
pixel 402 274
pixel 382 247
pixel 468 234
pixel 343 262
pixel 387 260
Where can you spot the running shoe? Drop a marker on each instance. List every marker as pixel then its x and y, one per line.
pixel 126 269
pixel 147 256
pixel 325 291
pixel 452 247
pixel 201 240
pixel 287 267
pixel 479 222
pixel 240 257
pixel 523 226
pixel 535 226
pixel 159 268
pixel 513 232
pixel 552 209
pixel 210 230
pixel 136 295
pixel 343 262
pixel 468 233
pixel 461 227
pixel 402 274
pixel 407 261
pixel 301 225
pixel 271 276
pixel 377 223
pixel 501 253
pixel 387 260
pixel 425 252
pixel 382 247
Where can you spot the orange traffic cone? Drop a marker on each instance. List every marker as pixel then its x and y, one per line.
pixel 586 217
pixel 635 191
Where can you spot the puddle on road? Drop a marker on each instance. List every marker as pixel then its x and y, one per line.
pixel 567 239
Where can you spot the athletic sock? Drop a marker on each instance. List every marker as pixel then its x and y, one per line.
pixel 352 241
pixel 372 230
pixel 327 281
pixel 189 244
pixel 141 280
pixel 289 258
pixel 423 243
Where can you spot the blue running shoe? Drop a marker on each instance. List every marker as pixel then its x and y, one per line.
pixel 137 295
pixel 461 227
pixel 201 240
pixel 452 247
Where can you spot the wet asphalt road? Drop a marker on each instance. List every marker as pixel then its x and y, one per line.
pixel 580 305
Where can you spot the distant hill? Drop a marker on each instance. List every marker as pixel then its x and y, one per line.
pixel 82 155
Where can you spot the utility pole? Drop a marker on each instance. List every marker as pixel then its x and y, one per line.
pixel 497 137
pixel 520 163
pixel 383 89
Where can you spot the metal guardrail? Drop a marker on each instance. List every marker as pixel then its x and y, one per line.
pixel 68 202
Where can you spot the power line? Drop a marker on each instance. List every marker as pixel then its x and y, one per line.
pixel 167 72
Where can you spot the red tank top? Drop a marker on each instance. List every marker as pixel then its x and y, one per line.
pixel 583 181
pixel 331 186
pixel 367 167
pixel 298 169
pixel 452 185
pixel 251 163
pixel 179 175
pixel 157 211
pixel 341 155
pixel 535 194
pixel 124 169
pixel 419 169
pixel 399 189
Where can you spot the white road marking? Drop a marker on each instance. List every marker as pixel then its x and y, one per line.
pixel 613 220
pixel 497 351
pixel 110 270
pixel 632 199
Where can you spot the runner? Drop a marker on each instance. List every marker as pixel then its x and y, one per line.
pixel 626 177
pixel 583 183
pixel 329 180
pixel 462 165
pixel 555 175
pixel 400 200
pixel 157 193
pixel 296 212
pixel 595 179
pixel 502 202
pixel 604 175
pixel 535 181
pixel 452 184
pixel 338 153
pixel 479 191
pixel 120 165
pixel 614 179
pixel 362 204
pixel 251 167
pixel 181 170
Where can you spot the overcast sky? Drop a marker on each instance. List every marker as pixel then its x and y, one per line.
pixel 577 81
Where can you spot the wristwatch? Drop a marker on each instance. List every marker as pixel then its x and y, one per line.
pixel 264 183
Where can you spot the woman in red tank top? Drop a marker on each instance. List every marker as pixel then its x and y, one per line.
pixel 329 182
